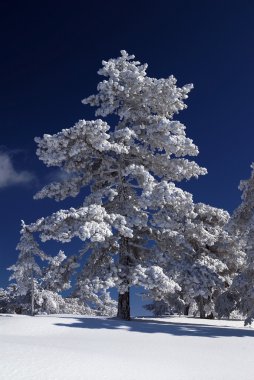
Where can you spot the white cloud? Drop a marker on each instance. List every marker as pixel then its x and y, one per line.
pixel 9 175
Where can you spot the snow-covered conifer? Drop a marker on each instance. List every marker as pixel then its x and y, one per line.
pixel 129 168
pixel 50 302
pixel 240 295
pixel 159 308
pixel 12 302
pixel 201 257
pixel 26 270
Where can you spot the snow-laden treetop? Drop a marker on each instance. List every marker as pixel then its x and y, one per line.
pixel 134 96
pixel 145 141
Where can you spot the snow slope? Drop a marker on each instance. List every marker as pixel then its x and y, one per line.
pixel 92 348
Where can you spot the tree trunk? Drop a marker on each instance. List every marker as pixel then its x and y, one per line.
pixel 186 309
pixel 32 297
pixel 201 307
pixel 124 306
pixel 124 298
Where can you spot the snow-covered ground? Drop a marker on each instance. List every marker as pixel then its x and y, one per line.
pixel 91 348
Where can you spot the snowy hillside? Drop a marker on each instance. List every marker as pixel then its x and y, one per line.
pixel 92 348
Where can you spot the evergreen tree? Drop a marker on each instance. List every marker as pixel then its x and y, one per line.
pixel 202 259
pixel 26 271
pixel 240 295
pixel 159 308
pixel 129 169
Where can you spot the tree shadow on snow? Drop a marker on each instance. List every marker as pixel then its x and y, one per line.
pixel 154 326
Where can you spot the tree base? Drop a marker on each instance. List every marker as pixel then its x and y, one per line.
pixel 124 306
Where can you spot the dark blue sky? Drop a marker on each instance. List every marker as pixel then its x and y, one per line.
pixel 50 54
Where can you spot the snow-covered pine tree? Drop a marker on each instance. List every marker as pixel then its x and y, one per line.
pixel 129 169
pixel 159 308
pixel 206 269
pixel 12 302
pixel 56 277
pixel 50 302
pixel 240 295
pixel 4 300
pixel 201 257
pixel 26 271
